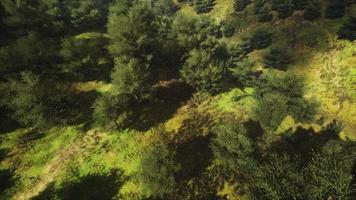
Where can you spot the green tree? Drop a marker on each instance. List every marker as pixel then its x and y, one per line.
pixel 204 6
pixel 113 112
pixel 232 147
pixel 348 29
pixel 312 10
pixel 278 56
pixel 260 38
pixel 284 8
pixel 202 72
pixel 335 9
pixel 329 174
pixel 158 168
pixel 240 5
pixel 271 109
pixel 31 102
pixel 277 177
pixel 131 76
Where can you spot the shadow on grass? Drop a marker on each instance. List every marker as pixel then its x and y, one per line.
pixel 194 156
pixel 93 187
pixel 306 141
pixel 6 123
pixel 166 102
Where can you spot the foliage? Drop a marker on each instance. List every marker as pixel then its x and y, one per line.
pixel 284 8
pixel 347 31
pixel 313 10
pixel 202 72
pixel 232 147
pixel 240 5
pixel 335 9
pixel 113 111
pixel 278 56
pixel 260 38
pixel 262 10
pixel 271 109
pixel 204 6
pixel 31 103
pixel 158 168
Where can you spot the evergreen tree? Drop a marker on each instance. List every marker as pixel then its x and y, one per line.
pixel 335 9
pixel 271 109
pixel 240 5
pixel 283 7
pixel 278 56
pixel 348 30
pixel 313 10
pixel 261 38
pixel 204 6
pixel 202 72
pixel 232 147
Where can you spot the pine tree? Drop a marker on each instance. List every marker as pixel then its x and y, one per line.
pixel 348 30
pixel 240 5
pixel 312 10
pixel 204 6
pixel 278 56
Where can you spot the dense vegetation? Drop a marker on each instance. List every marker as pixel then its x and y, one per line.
pixel 186 99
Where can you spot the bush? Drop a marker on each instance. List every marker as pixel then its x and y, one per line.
pixel 278 56
pixel 348 30
pixel 313 10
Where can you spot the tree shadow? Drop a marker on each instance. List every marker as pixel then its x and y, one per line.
pixel 7 124
pixel 6 175
pixel 92 187
pixel 194 156
pixel 254 129
pixel 167 99
pixel 306 141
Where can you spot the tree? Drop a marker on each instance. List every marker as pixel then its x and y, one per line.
pixel 300 4
pixel 202 72
pixel 31 102
pixel 261 38
pixel 329 174
pixel 204 6
pixel 277 177
pixel 240 5
pixel 232 147
pixel 262 10
pixel 278 56
pixel 131 76
pixel 157 171
pixel 84 56
pixel 243 72
pixel 271 109
pixel 335 9
pixel 348 29
pixel 312 10
pixel 113 112
pixel 283 7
